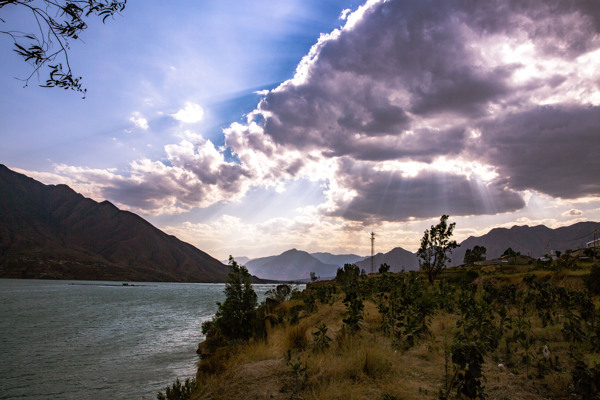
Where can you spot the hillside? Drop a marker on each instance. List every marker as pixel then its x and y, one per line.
pixel 532 241
pixel 497 332
pixel 290 265
pixel 50 231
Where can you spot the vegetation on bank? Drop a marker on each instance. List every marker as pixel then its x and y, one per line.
pixel 510 331
pixel 516 332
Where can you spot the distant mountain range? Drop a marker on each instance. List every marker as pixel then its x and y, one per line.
pixel 398 259
pixel 533 241
pixel 290 265
pixel 50 231
pixel 338 260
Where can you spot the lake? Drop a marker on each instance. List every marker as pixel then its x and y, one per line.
pixel 100 340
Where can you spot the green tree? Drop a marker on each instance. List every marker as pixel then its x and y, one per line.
pixel 58 22
pixel 478 253
pixel 384 268
pixel 436 247
pixel 236 316
pixel 511 254
pixel 280 294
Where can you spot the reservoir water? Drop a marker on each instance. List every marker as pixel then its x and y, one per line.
pixel 100 340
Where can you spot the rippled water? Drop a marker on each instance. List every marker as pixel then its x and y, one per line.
pixel 100 340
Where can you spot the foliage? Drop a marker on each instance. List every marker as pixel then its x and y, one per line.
pixel 280 294
pixel 354 309
pixel 384 268
pixel 58 22
pixel 320 339
pixel 350 273
pixel 236 316
pixel 310 304
pixel 478 253
pixel 586 380
pixel 313 277
pixel 349 279
pixel 511 254
pixel 592 281
pixel 178 391
pixel 435 247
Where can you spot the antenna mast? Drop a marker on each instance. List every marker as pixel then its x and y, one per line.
pixel 372 252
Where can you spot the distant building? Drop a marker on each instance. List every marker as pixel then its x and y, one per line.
pixel 593 243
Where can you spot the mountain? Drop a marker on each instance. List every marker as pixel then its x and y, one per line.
pixel 290 265
pixel 50 231
pixel 240 260
pixel 533 241
pixel 397 258
pixel 337 259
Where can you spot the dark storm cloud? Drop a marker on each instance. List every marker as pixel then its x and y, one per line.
pixel 552 149
pixel 407 61
pixel 388 196
pixel 415 81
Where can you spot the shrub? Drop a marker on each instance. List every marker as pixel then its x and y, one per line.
pixel 320 339
pixel 592 281
pixel 235 317
pixel 178 391
pixel 295 338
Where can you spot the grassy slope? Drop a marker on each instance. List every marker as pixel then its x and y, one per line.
pixel 371 365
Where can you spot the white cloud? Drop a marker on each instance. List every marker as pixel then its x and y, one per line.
pixel 344 14
pixel 139 121
pixel 191 113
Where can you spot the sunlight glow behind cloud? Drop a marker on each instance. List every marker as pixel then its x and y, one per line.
pixel 190 114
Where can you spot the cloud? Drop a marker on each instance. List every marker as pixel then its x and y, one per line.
pixel 190 114
pixel 139 121
pixel 385 110
pixel 572 213
pixel 193 175
pixel 504 83
pixel 551 149
pixel 390 196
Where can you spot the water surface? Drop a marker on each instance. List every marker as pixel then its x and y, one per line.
pixel 100 340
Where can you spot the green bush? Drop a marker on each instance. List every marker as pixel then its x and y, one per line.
pixel 592 281
pixel 236 316
pixel 178 391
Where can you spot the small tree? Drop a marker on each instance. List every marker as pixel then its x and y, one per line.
pixel 313 277
pixel 436 247
pixel 384 268
pixel 511 254
pixel 478 253
pixel 235 317
pixel 280 294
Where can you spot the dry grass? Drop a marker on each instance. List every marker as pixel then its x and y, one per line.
pixel 369 365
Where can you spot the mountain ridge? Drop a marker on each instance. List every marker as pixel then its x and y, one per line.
pixel 51 231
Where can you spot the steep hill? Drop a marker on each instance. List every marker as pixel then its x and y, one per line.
pixel 50 231
pixel 397 258
pixel 534 241
pixel 290 265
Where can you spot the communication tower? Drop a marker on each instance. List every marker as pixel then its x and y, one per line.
pixel 372 252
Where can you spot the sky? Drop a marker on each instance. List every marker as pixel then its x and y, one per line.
pixel 253 127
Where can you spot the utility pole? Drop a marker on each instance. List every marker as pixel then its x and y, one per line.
pixel 595 243
pixel 372 252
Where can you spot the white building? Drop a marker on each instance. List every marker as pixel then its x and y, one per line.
pixel 593 243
